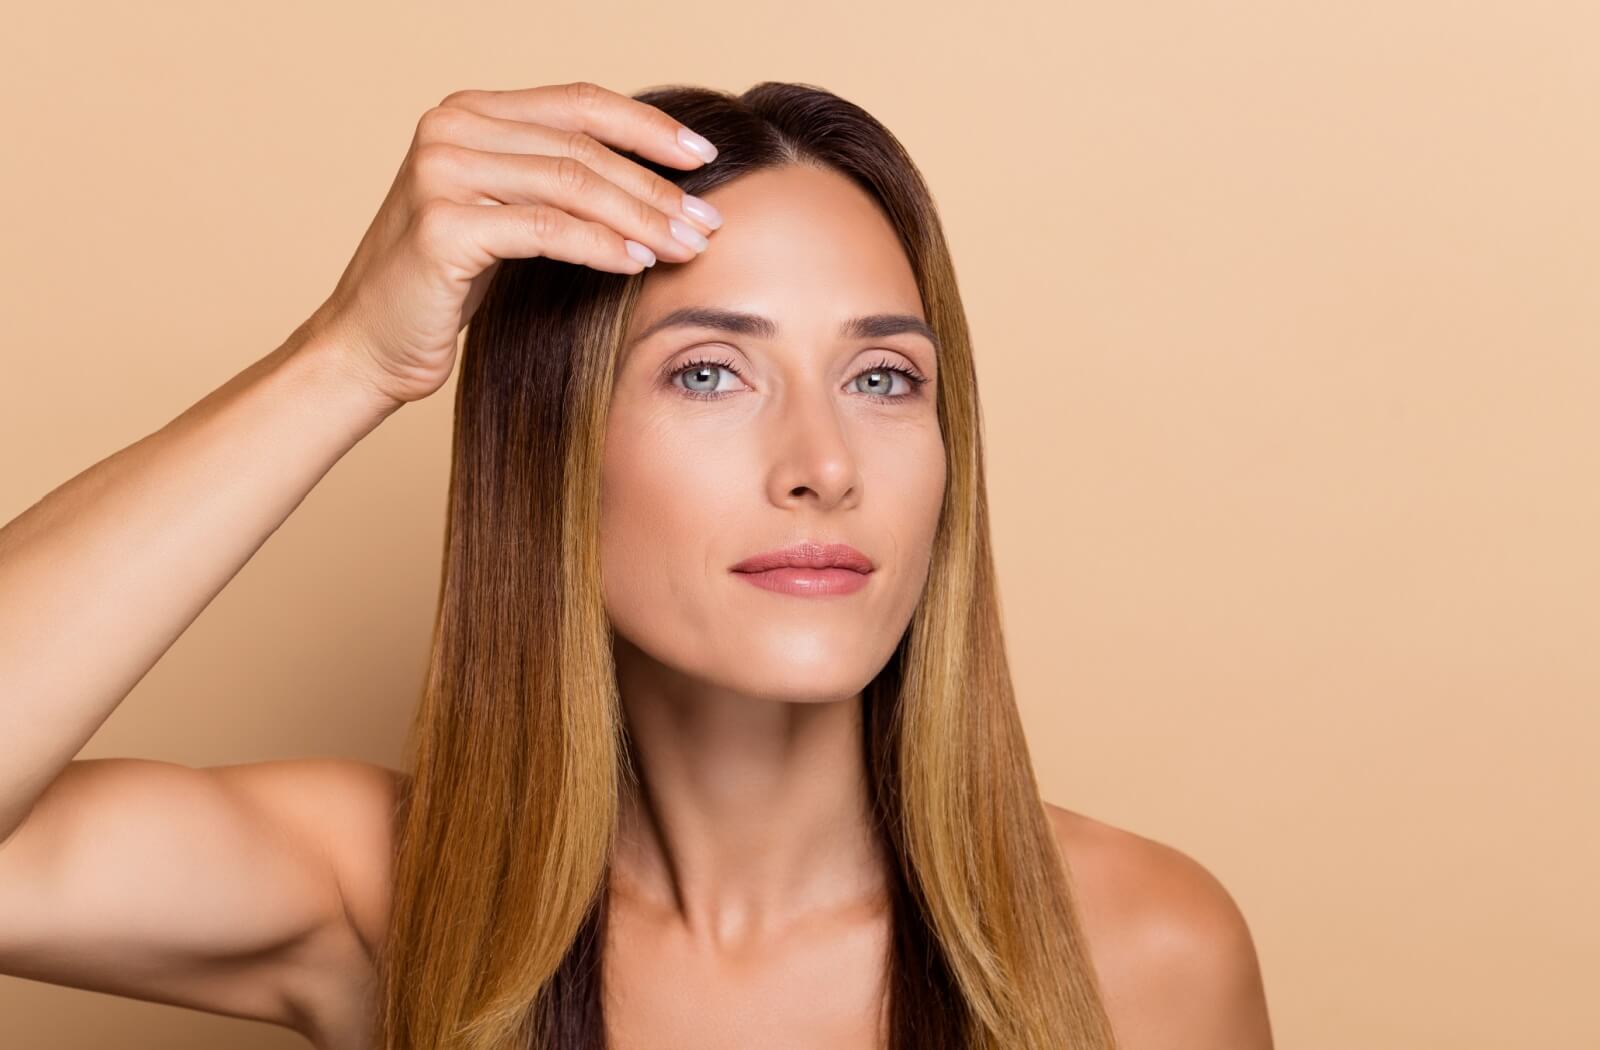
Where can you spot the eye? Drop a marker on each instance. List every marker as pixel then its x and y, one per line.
pixel 703 370
pixel 880 377
pixel 882 374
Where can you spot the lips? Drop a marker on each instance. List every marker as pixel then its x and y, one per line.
pixel 810 583
pixel 808 555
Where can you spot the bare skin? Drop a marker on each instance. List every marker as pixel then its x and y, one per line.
pixel 746 890
pixel 1173 953
pixel 752 868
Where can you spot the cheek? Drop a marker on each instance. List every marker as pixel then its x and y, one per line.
pixel 931 481
pixel 911 478
pixel 662 497
pixel 915 486
pixel 661 486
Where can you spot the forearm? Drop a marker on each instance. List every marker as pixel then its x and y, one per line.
pixel 103 574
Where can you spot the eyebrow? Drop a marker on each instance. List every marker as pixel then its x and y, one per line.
pixel 869 326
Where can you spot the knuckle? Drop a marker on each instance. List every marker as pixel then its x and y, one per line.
pixel 544 221
pixel 603 240
pixel 647 216
pixel 571 174
pixel 436 160
pixel 583 94
pixel 439 124
pixel 582 147
pixel 458 97
pixel 663 194
pixel 433 222
pixel 666 196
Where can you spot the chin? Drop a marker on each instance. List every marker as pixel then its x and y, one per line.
pixel 804 668
pixel 800 683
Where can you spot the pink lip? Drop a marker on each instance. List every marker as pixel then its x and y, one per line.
pixel 808 581
pixel 807 555
pixel 808 569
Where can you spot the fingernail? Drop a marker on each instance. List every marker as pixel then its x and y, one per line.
pixel 696 208
pixel 696 145
pixel 642 254
pixel 687 234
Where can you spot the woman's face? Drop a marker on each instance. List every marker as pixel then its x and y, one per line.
pixel 801 432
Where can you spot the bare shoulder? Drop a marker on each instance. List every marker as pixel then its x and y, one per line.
pixel 346 809
pixel 349 807
pixel 1174 954
pixel 254 890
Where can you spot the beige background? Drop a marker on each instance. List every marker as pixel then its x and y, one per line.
pixel 1286 318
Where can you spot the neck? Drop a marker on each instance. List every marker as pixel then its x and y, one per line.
pixel 750 814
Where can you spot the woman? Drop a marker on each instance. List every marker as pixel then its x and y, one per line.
pixel 717 745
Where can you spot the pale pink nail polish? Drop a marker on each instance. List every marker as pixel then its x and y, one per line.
pixel 640 252
pixel 696 208
pixel 696 145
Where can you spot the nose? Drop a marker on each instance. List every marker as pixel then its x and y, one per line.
pixel 813 457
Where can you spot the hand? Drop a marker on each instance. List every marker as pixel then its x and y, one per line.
pixel 494 175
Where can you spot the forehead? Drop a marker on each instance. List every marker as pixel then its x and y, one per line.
pixel 802 245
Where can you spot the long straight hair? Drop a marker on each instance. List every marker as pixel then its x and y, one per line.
pixel 519 753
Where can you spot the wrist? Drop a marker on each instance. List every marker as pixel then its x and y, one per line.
pixel 332 374
pixel 337 366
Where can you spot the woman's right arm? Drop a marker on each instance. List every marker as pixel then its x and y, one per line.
pixel 259 890
pixel 208 888
pixel 102 575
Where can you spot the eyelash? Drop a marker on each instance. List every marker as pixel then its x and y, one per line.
pixel 916 378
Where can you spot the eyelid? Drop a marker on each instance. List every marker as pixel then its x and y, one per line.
pixel 669 370
pixel 909 372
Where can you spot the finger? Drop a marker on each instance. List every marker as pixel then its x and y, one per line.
pixel 465 127
pixel 613 118
pixel 466 175
pixel 473 236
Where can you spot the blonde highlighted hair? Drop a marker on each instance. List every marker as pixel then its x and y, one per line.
pixel 519 754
